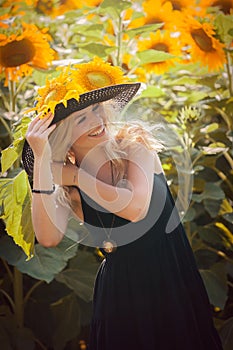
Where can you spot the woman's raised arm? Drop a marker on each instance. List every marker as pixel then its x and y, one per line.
pixel 49 218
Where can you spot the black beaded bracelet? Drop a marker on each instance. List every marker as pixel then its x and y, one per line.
pixel 44 191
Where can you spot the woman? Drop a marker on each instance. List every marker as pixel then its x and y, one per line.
pixel 148 293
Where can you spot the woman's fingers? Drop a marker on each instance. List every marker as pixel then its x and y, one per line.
pixel 40 123
pixel 38 133
pixel 49 130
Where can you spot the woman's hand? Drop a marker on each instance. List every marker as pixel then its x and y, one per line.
pixel 37 135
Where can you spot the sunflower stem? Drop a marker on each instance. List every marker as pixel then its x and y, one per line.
pixel 22 82
pixel 11 87
pixel 6 126
pixel 11 302
pixel 229 73
pixel 18 297
pixel 37 284
pixel 4 99
pixel 119 41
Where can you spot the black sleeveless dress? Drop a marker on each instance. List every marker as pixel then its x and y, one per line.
pixel 148 293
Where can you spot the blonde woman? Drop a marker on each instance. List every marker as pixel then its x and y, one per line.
pixel 148 292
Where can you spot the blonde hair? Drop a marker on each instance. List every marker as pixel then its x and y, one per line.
pixel 122 136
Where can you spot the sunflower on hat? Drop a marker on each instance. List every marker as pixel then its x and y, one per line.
pixel 56 90
pixel 72 82
pixel 98 74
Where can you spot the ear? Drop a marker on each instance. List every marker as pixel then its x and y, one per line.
pixel 71 156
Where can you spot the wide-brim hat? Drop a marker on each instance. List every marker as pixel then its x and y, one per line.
pixel 119 95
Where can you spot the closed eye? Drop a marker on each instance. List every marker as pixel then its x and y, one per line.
pixel 81 120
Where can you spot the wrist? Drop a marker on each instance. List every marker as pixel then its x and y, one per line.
pixel 44 158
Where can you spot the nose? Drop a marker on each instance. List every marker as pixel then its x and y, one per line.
pixel 95 119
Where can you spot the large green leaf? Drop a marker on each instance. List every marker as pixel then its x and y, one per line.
pixel 212 191
pixel 216 236
pixel 13 337
pixel 66 314
pixel 153 56
pixel 13 152
pixel 216 284
pixel 212 206
pixel 15 197
pixel 114 8
pixel 46 262
pixel 80 275
pixel 224 25
pixel 226 334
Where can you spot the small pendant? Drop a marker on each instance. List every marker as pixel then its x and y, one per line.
pixel 109 246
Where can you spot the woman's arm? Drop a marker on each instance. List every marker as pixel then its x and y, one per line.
pixel 132 202
pixel 48 217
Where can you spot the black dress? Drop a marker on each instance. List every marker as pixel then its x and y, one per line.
pixel 148 293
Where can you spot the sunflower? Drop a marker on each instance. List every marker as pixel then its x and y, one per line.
pixel 17 7
pixel 45 6
pixel 92 3
pixel 179 5
pixel 226 6
pixel 97 74
pixel 4 20
pixel 203 46
pixel 161 41
pixel 23 51
pixel 57 90
pixel 155 13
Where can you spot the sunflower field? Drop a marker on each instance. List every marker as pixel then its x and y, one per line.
pixel 182 53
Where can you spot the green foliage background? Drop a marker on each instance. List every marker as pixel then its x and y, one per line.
pixel 46 293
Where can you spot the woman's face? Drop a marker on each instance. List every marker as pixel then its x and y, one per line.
pixel 89 127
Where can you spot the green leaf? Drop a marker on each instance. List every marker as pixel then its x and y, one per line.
pixel 13 337
pixel 224 24
pixel 80 275
pixel 212 191
pixel 216 284
pixel 153 56
pixel 205 258
pixel 114 8
pixel 196 96
pixel 216 237
pixel 13 152
pixel 226 334
pixel 189 215
pixel 229 217
pixel 212 206
pixel 152 91
pixel 39 77
pixel 148 28
pixel 96 49
pixel 66 315
pixel 185 80
pixel 90 31
pixel 46 262
pixel 15 196
pixel 214 148
pixel 209 128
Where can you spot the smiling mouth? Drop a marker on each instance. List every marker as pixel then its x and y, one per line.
pixel 98 132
